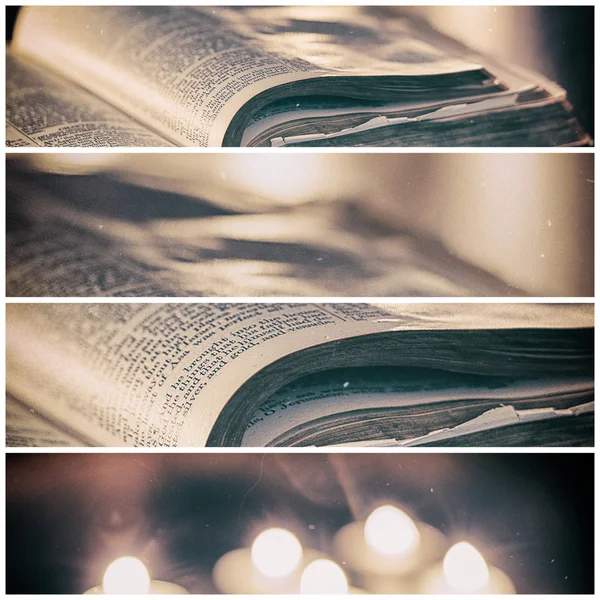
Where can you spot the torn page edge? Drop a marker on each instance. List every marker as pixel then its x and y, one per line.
pixel 446 112
pixel 501 416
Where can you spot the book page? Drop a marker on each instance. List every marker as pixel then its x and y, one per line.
pixel 138 374
pixel 314 111
pixel 43 109
pixel 186 246
pixel 501 416
pixel 179 70
pixel 344 39
pixel 160 374
pixel 26 428
pixel 56 258
pixel 333 393
pixel 506 426
pixel 187 71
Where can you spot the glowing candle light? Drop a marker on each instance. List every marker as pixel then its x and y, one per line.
pixel 276 553
pixel 128 575
pixel 323 576
pixel 465 571
pixel 391 532
pixel 273 564
pixel 384 552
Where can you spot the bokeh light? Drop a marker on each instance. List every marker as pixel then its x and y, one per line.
pixel 391 532
pixel 465 569
pixel 323 576
pixel 126 575
pixel 276 552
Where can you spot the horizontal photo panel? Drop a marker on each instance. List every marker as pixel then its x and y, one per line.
pixel 300 523
pixel 300 76
pixel 312 225
pixel 400 375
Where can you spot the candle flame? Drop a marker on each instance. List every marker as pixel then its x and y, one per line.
pixel 276 552
pixel 391 532
pixel 126 575
pixel 465 569
pixel 323 577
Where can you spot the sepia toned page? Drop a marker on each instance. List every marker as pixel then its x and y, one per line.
pixel 101 237
pixel 144 375
pixel 178 70
pixel 62 258
pixel 329 396
pixel 26 428
pixel 187 71
pixel 160 374
pixel 44 109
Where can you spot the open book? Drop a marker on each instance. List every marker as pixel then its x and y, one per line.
pixel 95 235
pixel 270 76
pixel 188 374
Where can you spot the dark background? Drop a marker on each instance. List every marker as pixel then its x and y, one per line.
pixel 69 515
pixel 567 35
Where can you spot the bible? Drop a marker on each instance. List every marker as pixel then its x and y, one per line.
pixel 274 374
pixel 266 76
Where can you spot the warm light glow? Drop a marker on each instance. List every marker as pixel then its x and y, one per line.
pixel 289 179
pixel 74 164
pixel 323 577
pixel 465 569
pixel 391 532
pixel 126 575
pixel 276 552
